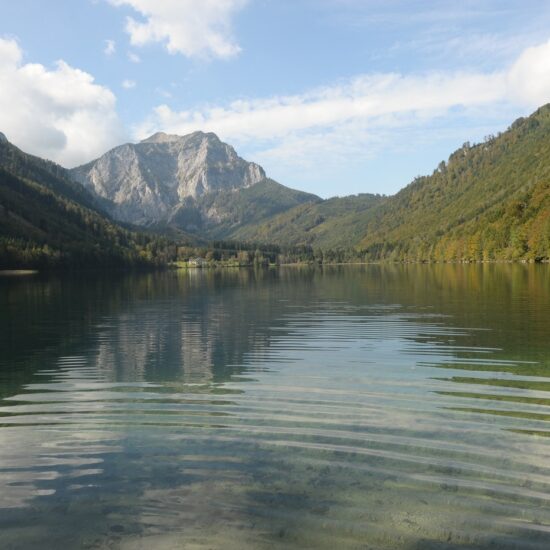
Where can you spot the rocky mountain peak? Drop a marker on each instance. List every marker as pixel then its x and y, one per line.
pixel 146 182
pixel 162 137
pixel 3 138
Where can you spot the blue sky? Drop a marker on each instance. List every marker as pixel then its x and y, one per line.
pixel 330 96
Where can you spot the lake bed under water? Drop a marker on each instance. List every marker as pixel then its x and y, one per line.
pixel 344 407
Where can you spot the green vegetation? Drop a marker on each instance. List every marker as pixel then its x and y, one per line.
pixel 254 204
pixel 490 201
pixel 47 221
pixel 47 173
pixel 246 254
pixel 336 223
pixel 234 210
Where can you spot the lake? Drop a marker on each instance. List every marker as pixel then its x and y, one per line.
pixel 375 407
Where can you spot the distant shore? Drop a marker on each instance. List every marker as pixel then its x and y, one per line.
pixel 184 266
pixel 234 265
pixel 17 272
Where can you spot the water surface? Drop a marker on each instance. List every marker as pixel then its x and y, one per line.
pixel 354 407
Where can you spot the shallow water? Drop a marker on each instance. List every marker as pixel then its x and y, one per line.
pixel 354 407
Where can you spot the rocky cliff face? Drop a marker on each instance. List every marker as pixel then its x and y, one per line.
pixel 147 182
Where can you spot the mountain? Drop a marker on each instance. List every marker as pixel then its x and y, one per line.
pixel 48 220
pixel 223 214
pixel 49 174
pixel 195 183
pixel 164 175
pixel 339 222
pixel 490 201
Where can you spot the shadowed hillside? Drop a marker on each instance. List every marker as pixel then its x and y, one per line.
pixel 47 220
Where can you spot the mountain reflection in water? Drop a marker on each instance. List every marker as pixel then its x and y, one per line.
pixel 359 407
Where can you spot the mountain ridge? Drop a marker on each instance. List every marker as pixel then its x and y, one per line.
pixel 146 181
pixel 489 201
pixel 49 221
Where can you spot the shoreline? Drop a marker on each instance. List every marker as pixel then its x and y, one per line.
pixel 17 272
pixel 374 262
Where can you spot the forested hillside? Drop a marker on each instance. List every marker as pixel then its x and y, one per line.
pixel 490 201
pixel 335 223
pixel 46 220
pixel 229 212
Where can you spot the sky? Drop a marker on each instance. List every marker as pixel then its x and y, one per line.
pixel 333 97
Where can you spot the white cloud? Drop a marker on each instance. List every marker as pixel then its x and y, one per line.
pixel 529 77
pixel 110 47
pixel 128 84
pixel 368 106
pixel 364 97
pixel 189 27
pixel 164 93
pixel 134 57
pixel 59 113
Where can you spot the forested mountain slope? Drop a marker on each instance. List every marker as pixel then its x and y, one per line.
pixel 48 173
pixel 46 220
pixel 339 222
pixel 253 205
pixel 490 201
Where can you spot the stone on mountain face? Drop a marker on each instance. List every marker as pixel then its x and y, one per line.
pixel 3 138
pixel 146 182
pixel 161 137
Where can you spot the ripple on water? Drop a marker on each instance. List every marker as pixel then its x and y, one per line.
pixel 336 424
